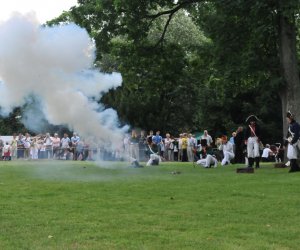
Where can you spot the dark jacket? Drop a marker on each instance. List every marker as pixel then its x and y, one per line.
pixel 294 131
pixel 248 131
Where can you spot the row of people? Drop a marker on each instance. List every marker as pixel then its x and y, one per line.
pixel 46 147
pixel 184 148
pixel 170 149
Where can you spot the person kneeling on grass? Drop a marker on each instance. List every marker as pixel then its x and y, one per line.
pixel 227 148
pixel 153 154
pixel 207 160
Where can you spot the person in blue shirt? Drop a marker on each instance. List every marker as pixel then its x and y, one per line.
pixel 157 140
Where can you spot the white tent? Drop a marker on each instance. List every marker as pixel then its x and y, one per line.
pixel 6 138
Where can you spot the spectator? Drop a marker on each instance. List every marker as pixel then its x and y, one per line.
pixel 34 149
pixel 293 136
pixel 169 147
pixel 192 143
pixel 134 145
pixel 184 146
pixel 157 140
pixel 207 137
pixel 175 150
pixel 231 139
pixel 27 144
pixel 13 145
pixel 180 147
pixel 267 153
pixel 56 146
pixel 150 136
pixel 20 146
pixel 279 155
pixel 7 152
pixel 79 150
pixel 48 146
pixel 65 141
pixel 74 140
pixel 240 146
pixel 142 145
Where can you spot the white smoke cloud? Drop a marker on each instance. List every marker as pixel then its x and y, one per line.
pixel 55 64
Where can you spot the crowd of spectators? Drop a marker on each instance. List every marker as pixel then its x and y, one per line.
pixel 47 147
pixel 137 145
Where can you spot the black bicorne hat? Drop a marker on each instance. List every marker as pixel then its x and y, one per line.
pixel 251 118
pixel 290 115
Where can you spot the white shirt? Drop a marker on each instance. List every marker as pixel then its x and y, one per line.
pixel 266 152
pixel 65 142
pixel 27 142
pixel 207 138
pixel 228 147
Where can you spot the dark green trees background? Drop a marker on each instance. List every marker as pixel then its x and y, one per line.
pixel 190 65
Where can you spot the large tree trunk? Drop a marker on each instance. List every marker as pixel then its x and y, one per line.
pixel 290 94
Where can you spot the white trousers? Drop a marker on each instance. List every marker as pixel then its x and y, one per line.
pixel 190 154
pixel 134 151
pixel 153 157
pixel 227 157
pixel 208 161
pixel 292 151
pixel 252 147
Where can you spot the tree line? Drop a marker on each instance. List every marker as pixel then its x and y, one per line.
pixel 190 65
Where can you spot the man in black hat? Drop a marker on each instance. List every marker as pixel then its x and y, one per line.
pixel 292 139
pixel 252 140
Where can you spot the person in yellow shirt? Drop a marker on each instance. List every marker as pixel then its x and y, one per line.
pixel 184 147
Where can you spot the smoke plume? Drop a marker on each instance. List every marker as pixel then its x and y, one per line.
pixel 55 66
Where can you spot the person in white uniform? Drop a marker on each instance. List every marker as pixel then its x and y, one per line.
pixel 227 148
pixel 206 160
pixel 252 141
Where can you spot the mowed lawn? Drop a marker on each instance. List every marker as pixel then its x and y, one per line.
pixel 109 205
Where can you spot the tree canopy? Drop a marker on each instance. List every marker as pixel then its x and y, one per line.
pixel 192 64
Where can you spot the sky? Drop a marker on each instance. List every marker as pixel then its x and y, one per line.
pixel 44 9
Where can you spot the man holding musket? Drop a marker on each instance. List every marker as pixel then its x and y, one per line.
pixel 292 141
pixel 252 140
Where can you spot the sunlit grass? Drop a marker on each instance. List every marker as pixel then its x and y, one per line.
pixel 84 205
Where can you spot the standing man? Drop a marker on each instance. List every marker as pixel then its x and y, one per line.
pixel 292 138
pixel 157 140
pixel 192 143
pixel 239 143
pixel 74 140
pixel 206 137
pixel 134 145
pixel 252 140
pixel 184 145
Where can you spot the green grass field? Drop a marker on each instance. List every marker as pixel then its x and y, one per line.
pixel 83 205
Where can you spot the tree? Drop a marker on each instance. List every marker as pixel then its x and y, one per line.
pixel 158 91
pixel 241 53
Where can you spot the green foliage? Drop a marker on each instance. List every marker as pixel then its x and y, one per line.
pixel 190 64
pixel 156 91
pixel 11 124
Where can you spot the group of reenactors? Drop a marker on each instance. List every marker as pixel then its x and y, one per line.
pixel 252 138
